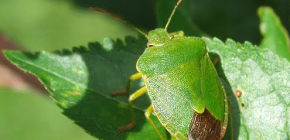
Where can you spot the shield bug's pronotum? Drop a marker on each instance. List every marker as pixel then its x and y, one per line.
pixel 185 91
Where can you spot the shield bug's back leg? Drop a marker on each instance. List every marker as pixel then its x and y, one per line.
pixel 128 84
pixel 132 97
pixel 147 115
pixel 216 60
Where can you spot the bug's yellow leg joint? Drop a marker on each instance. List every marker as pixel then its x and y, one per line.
pixel 147 115
pixel 128 84
pixel 132 97
pixel 135 76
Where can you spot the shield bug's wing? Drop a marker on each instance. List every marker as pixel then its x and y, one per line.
pixel 212 89
pixel 214 94
pixel 211 124
pixel 173 104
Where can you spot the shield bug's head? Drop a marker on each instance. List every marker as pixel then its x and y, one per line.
pixel 157 37
pixel 160 36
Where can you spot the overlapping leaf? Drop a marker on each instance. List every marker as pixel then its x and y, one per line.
pixel 263 78
pixel 275 36
pixel 81 81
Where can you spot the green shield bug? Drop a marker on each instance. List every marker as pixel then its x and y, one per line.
pixel 185 91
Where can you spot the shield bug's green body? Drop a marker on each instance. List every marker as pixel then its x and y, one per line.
pixel 186 93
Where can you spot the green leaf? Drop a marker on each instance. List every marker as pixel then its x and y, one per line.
pixel 263 78
pixel 275 36
pixel 81 81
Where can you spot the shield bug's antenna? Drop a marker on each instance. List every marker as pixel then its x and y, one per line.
pixel 116 17
pixel 179 1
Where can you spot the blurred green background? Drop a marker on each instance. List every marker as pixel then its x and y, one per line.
pixel 56 24
pixel 28 116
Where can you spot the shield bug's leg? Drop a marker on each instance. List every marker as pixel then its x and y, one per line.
pixel 132 78
pixel 132 97
pixel 147 115
pixel 216 60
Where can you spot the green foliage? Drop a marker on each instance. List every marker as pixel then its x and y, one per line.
pixel 28 116
pixel 51 25
pixel 223 18
pixel 55 24
pixel 80 80
pixel 137 12
pixel 263 78
pixel 275 36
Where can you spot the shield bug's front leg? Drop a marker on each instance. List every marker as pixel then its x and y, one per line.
pixel 125 91
pixel 132 97
pixel 147 115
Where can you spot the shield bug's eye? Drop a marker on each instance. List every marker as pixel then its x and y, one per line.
pixel 176 34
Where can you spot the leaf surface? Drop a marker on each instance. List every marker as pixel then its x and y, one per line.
pixel 263 79
pixel 81 81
